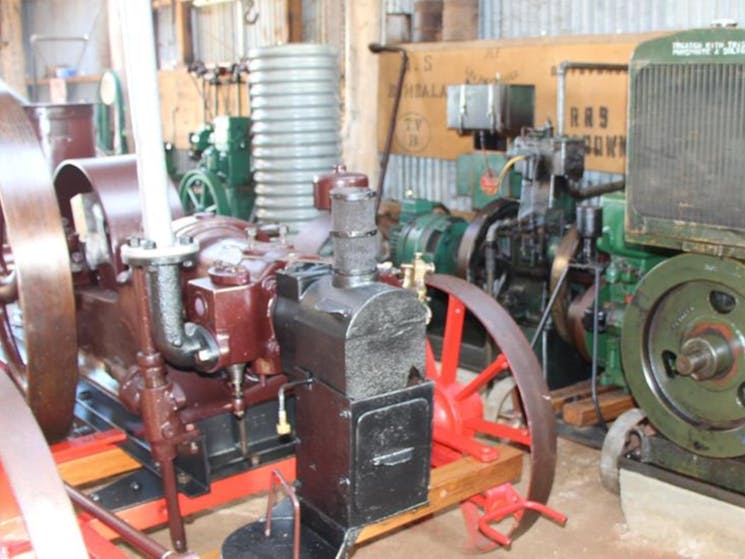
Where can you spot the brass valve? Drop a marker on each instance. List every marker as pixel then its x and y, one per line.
pixel 415 276
pixel 283 426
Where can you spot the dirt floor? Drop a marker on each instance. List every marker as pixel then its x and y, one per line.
pixel 595 528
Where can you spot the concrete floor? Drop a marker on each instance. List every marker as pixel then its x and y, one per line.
pixel 595 528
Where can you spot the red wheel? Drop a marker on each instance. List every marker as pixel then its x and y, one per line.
pixel 460 423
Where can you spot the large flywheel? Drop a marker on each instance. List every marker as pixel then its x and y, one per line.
pixel 682 341
pixel 36 296
pixel 529 424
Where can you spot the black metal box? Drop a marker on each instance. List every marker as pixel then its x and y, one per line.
pixel 363 460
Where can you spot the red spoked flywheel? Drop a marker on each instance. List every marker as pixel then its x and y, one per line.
pixel 461 426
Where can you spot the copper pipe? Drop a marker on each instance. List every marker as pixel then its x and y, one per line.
pixel 290 492
pixel 137 539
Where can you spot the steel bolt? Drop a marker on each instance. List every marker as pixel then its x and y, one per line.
pixel 204 355
pixel 135 486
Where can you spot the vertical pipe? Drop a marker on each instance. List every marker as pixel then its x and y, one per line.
pixel 142 81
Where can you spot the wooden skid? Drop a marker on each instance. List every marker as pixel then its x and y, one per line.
pixel 453 483
pixel 449 485
pixel 97 467
pixel 581 413
pixel 573 392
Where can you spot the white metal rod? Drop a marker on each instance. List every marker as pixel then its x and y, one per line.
pixel 138 39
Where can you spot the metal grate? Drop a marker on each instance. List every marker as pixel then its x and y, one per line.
pixel 686 156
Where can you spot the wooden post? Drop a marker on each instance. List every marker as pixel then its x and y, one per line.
pixel 12 56
pixel 184 40
pixel 359 137
pixel 295 20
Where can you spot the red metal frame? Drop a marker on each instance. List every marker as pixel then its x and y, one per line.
pixel 97 537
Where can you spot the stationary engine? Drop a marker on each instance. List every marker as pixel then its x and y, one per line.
pixel 227 359
pixel 682 330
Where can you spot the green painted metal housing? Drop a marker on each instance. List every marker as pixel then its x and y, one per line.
pixel 627 264
pixel 686 140
pixel 435 234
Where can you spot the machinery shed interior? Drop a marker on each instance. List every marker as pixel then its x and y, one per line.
pixel 327 279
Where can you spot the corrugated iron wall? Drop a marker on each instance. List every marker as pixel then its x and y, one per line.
pixel 540 18
pixel 435 178
pixel 224 32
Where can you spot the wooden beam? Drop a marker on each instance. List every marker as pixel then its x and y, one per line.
pixel 573 392
pixel 295 20
pixel 448 486
pixel 12 56
pixel 359 146
pixel 184 41
pixel 452 484
pixel 582 413
pixel 97 467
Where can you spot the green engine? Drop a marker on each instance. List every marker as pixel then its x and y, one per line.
pixel 221 183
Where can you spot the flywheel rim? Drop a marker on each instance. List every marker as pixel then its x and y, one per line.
pixel 41 262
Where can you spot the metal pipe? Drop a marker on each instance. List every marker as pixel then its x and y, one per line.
pixel 137 539
pixel 277 478
pixel 595 332
pixel 142 84
pixel 377 48
pixel 561 73
pixel 576 190
pixel 549 306
pixel 183 344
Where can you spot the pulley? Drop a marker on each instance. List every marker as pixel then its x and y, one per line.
pixel 682 345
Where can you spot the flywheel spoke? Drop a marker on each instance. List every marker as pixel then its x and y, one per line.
pixel 452 339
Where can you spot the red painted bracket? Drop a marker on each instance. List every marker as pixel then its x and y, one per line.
pixel 495 505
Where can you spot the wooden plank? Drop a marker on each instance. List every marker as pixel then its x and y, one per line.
pixel 449 485
pixel 12 55
pixel 582 389
pixel 452 484
pixel 97 467
pixel 582 413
